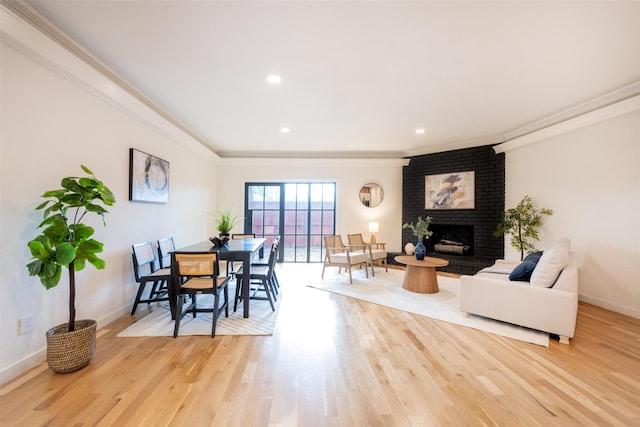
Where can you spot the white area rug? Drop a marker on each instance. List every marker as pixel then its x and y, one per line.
pixel 158 323
pixel 386 289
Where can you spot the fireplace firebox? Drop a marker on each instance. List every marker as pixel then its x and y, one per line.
pixel 451 239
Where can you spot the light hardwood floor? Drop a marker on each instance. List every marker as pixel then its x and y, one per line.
pixel 337 361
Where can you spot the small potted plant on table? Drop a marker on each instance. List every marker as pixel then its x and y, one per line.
pixel 421 230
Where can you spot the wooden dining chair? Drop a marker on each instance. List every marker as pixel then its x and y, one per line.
pixel 196 274
pixel 145 271
pixel 376 251
pixel 338 255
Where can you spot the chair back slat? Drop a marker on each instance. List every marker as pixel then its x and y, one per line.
pixel 165 247
pixel 333 244
pixel 201 264
pixel 355 239
pixel 143 257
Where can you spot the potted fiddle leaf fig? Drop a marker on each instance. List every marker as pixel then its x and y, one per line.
pixel 65 241
pixel 522 222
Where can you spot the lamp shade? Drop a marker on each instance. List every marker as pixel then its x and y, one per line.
pixel 373 227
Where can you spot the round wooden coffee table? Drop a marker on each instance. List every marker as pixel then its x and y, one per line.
pixel 420 275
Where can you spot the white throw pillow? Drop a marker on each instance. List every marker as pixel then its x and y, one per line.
pixel 551 264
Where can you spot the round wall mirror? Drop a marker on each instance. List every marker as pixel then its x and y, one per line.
pixel 371 195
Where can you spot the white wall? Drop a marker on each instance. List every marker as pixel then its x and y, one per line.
pixel 590 178
pixel 49 127
pixel 349 176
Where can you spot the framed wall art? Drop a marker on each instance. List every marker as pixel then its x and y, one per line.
pixel 450 190
pixel 148 178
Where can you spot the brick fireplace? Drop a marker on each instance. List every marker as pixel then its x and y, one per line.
pixel 472 227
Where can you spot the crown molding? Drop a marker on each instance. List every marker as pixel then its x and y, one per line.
pixel 312 154
pixel 25 30
pixel 314 162
pixel 607 112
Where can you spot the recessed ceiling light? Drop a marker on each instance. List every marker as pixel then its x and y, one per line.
pixel 273 79
pixel 285 130
pixel 419 131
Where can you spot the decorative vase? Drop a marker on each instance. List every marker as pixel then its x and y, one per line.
pixel 70 351
pixel 420 250
pixel 409 248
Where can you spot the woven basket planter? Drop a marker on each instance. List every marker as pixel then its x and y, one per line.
pixel 70 351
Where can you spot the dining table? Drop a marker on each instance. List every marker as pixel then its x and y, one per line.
pixel 241 250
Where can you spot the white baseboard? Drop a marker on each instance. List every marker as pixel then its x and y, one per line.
pixel 22 366
pixel 40 356
pixel 628 311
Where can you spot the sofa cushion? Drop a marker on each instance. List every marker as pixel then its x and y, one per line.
pixel 522 273
pixel 551 264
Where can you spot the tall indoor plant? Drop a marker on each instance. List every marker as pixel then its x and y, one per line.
pixel 522 222
pixel 64 241
pixel 421 230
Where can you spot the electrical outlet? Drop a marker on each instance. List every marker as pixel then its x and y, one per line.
pixel 25 324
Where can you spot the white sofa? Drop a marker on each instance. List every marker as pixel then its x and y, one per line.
pixel 491 294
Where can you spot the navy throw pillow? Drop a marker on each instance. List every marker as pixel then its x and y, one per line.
pixel 522 273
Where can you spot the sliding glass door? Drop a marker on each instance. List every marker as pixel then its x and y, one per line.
pixel 300 212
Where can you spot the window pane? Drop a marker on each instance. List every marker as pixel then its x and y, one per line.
pixel 272 197
pixel 327 222
pixel 301 222
pixel 302 196
pixel 290 196
pixel 316 222
pixel 256 222
pixel 316 196
pixel 328 196
pixel 301 248
pixel 272 222
pixel 256 197
pixel 315 249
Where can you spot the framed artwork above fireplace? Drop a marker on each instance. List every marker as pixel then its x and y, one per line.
pixel 456 190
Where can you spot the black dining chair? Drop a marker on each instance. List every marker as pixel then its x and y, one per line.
pixel 260 280
pixel 145 271
pixel 265 263
pixel 165 247
pixel 196 274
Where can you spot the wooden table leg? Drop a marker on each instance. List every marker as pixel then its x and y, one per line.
pixel 420 279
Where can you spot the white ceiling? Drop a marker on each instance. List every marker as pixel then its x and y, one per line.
pixel 360 77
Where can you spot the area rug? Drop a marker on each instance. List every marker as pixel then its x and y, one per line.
pixel 158 323
pixel 386 289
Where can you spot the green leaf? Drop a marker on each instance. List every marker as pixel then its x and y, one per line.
pixel 82 232
pixel 37 249
pixel 89 182
pixel 79 264
pixel 54 193
pixel 86 169
pixel 51 281
pixel 72 185
pixel 34 267
pixel 96 208
pixel 107 196
pixel 65 253
pixel 43 204
pixel 73 200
